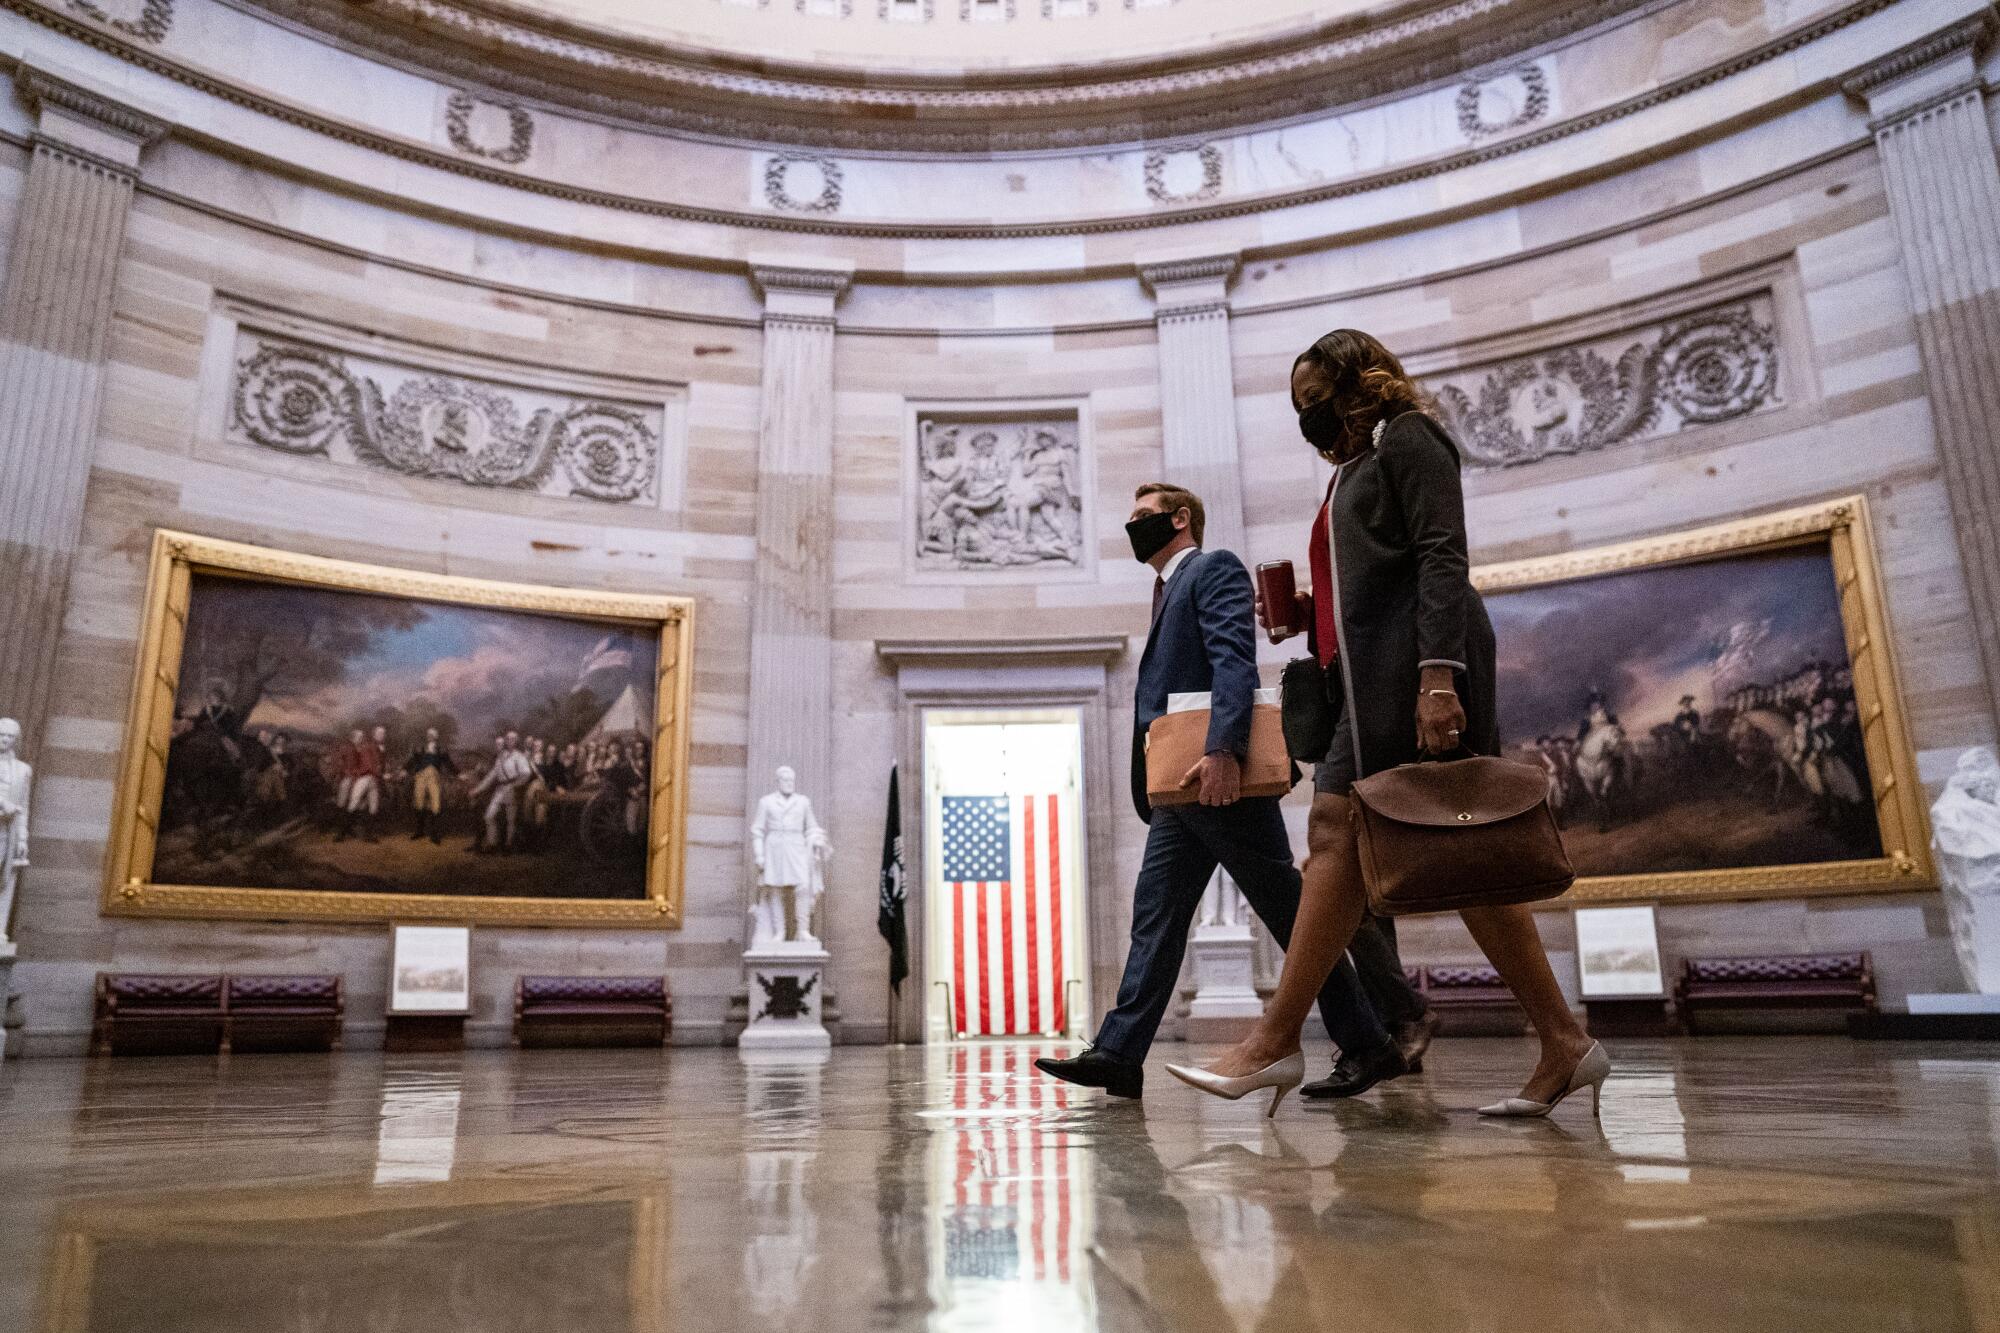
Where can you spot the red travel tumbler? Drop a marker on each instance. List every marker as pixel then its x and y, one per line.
pixel 1280 591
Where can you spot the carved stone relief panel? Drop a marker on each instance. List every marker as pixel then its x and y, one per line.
pixel 999 491
pixel 298 397
pixel 1186 174
pixel 1510 100
pixel 497 131
pixel 145 20
pixel 802 183
pixel 1712 365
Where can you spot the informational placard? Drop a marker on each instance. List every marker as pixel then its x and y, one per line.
pixel 1618 952
pixel 430 971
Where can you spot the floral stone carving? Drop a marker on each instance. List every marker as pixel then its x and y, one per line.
pixel 302 399
pixel 1711 366
pixel 993 495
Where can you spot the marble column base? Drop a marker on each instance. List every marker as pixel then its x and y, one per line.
pixel 786 990
pixel 1226 1004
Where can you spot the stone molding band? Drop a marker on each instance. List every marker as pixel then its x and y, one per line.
pixel 823 225
pixel 1000 112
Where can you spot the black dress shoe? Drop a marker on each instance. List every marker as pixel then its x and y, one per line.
pixel 1414 1038
pixel 1354 1074
pixel 1092 1068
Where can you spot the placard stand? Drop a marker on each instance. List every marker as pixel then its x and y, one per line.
pixel 1619 971
pixel 430 988
pixel 424 1032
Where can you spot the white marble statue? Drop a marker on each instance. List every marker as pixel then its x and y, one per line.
pixel 1965 824
pixel 15 778
pixel 791 850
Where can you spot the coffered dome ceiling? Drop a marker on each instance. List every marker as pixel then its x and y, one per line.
pixel 949 75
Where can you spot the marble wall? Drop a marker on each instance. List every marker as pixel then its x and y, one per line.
pixel 787 412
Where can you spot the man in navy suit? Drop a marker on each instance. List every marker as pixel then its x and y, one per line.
pixel 1202 641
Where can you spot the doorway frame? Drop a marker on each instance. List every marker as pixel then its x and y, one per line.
pixel 949 675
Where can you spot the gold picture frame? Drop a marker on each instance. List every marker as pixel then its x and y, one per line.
pixel 1843 526
pixel 177 557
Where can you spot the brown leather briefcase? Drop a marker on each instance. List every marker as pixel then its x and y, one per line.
pixel 1457 833
pixel 1176 741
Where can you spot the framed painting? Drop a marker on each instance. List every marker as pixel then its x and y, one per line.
pixel 312 739
pixel 1717 710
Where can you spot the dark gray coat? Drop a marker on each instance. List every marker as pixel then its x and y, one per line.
pixel 1406 598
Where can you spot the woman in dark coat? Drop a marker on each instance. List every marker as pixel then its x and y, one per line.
pixel 1409 644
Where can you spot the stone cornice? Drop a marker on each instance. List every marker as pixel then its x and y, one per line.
pixel 1967 36
pixel 1195 93
pixel 42 90
pixel 146 58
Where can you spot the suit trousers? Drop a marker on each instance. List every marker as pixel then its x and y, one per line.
pixel 1183 847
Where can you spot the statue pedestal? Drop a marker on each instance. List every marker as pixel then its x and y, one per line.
pixel 7 1005
pixel 1226 1004
pixel 786 986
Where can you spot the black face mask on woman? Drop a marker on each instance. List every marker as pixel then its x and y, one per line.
pixel 1149 535
pixel 1324 427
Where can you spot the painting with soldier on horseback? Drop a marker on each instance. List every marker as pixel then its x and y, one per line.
pixel 1716 709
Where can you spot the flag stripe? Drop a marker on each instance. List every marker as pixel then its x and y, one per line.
pixel 1028 896
pixel 1057 972
pixel 985 965
pixel 958 957
pixel 1007 969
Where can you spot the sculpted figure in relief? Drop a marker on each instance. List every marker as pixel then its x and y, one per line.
pixel 1000 495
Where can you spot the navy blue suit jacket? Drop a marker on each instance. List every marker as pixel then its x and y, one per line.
pixel 1203 641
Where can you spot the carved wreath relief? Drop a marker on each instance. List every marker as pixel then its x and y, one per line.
pixel 1710 366
pixel 997 494
pixel 494 130
pixel 1508 101
pixel 146 20
pixel 302 399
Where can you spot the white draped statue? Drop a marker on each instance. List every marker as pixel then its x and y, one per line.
pixel 16 777
pixel 791 851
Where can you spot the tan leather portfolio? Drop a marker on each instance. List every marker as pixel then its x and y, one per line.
pixel 1176 742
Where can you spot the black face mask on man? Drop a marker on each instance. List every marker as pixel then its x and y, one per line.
pixel 1324 427
pixel 1150 534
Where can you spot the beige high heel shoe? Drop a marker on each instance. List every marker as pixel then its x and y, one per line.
pixel 1591 1071
pixel 1281 1076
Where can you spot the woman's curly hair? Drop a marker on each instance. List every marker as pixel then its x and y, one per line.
pixel 1368 381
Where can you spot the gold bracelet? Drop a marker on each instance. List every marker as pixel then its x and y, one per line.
pixel 1449 694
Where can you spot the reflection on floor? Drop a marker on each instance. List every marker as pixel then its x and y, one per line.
pixel 1745 1184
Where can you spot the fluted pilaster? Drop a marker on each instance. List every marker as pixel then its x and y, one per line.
pixel 1937 154
pixel 55 318
pixel 1198 388
pixel 791 649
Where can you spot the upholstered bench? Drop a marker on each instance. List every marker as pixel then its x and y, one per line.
pixel 141 1014
pixel 1471 997
pixel 592 1011
pixel 1842 981
pixel 284 1013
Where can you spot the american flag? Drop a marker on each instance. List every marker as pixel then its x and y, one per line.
pixel 1019 1185
pixel 1006 930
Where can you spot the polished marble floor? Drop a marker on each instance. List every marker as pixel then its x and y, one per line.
pixel 1745 1184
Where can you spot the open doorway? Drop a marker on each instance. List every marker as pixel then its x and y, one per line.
pixel 1004 873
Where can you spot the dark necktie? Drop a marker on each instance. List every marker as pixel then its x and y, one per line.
pixel 1159 595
